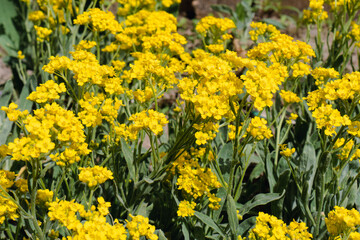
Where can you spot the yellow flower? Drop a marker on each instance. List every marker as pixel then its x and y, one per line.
pixel 139 226
pixel 14 114
pixel 44 196
pixel 293 117
pixel 95 175
pixel 36 16
pixel 329 118
pixel 212 25
pixel 341 221
pixel 99 20
pixel 287 152
pixel 47 92
pixel 269 227
pixel 260 29
pixel 20 55
pixel 22 185
pixel 149 120
pixel 258 129
pixel 186 209
pixel 42 33
pixel 289 97
pixel 8 210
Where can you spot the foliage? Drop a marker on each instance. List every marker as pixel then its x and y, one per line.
pixel 258 147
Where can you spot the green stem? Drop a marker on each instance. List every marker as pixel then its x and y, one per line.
pixel 278 131
pixel 239 186
pixel 39 232
pixel 319 210
pixel 7 229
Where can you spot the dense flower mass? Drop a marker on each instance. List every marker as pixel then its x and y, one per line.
pixel 94 176
pixel 258 129
pixel 135 131
pixel 270 227
pixel 95 225
pixel 341 221
pixel 186 209
pixel 47 92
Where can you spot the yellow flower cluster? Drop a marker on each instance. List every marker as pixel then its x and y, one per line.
pixel 87 69
pixel 212 83
pixel 42 33
pixel 232 131
pixel 196 180
pixel 258 129
pixel 282 49
pixel 345 89
pixel 48 126
pixel 354 128
pixel 323 75
pixel 286 152
pixel 22 185
pixel 95 226
pixel 149 120
pixel 186 208
pixel 355 33
pixel 153 72
pixel 262 29
pixel 341 221
pixel 94 176
pixel 14 114
pixel 6 179
pixel 289 97
pixel 99 20
pixel 130 7
pixel 147 23
pixel 47 92
pixel 262 82
pixel 269 227
pixel 329 118
pixel 316 12
pixel 20 55
pixel 36 16
pixel 212 26
pixel 300 69
pixel 96 108
pixel 8 209
pixel 338 5
pixel 85 45
pixel 139 226
pixel 346 149
pixel 44 196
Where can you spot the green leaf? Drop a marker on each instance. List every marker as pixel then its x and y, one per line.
pixel 161 234
pixel 10 40
pixel 222 8
pixel 226 152
pixel 280 186
pixel 185 232
pixel 257 171
pixel 209 222
pixel 274 22
pixel 126 150
pixel 5 129
pixel 269 172
pixel 199 233
pixel 25 104
pixel 307 157
pixel 260 199
pixel 6 96
pixel 232 215
pixel 246 225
